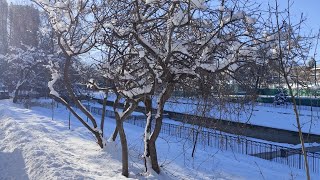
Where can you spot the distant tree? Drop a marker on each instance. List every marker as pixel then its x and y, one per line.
pixel 26 71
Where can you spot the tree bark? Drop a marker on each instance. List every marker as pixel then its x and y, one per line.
pixel 124 146
pixel 96 134
pixel 103 115
pixel 119 128
pixel 286 77
pixel 147 131
pixel 115 134
pixel 165 95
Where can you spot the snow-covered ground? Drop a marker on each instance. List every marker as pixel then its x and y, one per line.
pixel 279 117
pixel 267 116
pixel 33 146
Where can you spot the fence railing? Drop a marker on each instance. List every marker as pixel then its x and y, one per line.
pixel 237 144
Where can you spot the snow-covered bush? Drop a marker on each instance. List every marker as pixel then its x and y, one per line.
pixel 281 98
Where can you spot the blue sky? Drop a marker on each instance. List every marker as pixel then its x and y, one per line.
pixel 310 9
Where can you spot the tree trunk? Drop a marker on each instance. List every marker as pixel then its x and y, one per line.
pixel 124 146
pixel 154 157
pixel 103 115
pixel 164 96
pixel 286 77
pixel 15 97
pixel 147 131
pixel 96 133
pixel 119 121
pixel 16 92
pixel 115 134
pixel 195 143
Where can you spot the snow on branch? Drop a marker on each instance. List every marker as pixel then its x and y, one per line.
pixel 54 76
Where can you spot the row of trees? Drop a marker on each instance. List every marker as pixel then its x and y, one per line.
pixel 191 45
pixel 27 46
pixel 21 58
pixel 148 48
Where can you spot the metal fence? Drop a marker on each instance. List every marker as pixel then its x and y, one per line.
pixel 237 144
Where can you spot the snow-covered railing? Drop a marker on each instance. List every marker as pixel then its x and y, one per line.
pixel 237 144
pixel 211 138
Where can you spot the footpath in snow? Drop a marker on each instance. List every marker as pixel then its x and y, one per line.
pixel 33 146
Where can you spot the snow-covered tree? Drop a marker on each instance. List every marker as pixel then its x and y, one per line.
pixel 161 45
pixel 176 40
pixel 26 70
pixel 76 34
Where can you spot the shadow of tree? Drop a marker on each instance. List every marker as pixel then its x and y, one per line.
pixel 12 165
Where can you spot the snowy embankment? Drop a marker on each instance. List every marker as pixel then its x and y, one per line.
pixel 266 115
pixel 33 146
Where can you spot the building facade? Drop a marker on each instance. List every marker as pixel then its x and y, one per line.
pixel 3 27
pixel 24 22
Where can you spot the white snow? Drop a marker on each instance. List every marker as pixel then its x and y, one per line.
pixel 250 20
pixel 221 8
pixel 268 115
pixel 199 4
pixel 151 1
pixel 179 18
pixel 54 76
pixel 32 146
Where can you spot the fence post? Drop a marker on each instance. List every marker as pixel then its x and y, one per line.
pixel 69 119
pixel 208 138
pixel 299 160
pixel 192 135
pixel 271 151
pixel 246 146
pixel 226 142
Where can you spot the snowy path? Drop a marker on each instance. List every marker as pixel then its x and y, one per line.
pixel 50 150
pixel 32 146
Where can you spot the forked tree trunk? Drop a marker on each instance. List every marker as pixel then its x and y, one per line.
pixel 114 134
pixel 119 128
pixel 115 131
pixel 15 97
pixel 165 95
